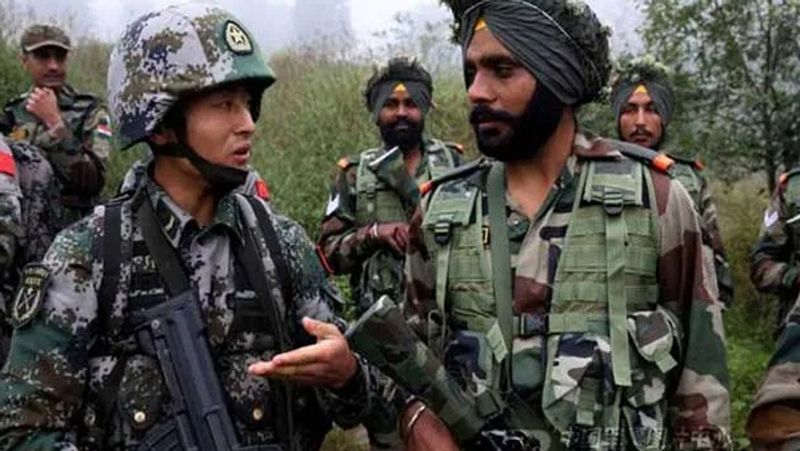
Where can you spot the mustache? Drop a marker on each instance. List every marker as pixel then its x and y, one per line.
pixel 641 131
pixel 483 113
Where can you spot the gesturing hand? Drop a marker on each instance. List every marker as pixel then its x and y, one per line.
pixel 329 362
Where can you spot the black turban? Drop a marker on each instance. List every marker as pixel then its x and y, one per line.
pixel 648 74
pixel 568 54
pixel 410 74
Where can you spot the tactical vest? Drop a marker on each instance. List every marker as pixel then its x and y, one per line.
pixel 377 202
pixel 595 370
pixel 382 273
pixel 687 173
pixel 120 409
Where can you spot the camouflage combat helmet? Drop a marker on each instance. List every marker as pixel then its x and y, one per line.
pixel 180 49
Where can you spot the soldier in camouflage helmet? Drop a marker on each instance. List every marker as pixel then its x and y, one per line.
pixel 642 102
pixel 365 228
pixel 86 370
pixel 561 282
pixel 774 260
pixel 71 128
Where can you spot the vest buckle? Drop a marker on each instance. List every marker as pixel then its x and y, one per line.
pixel 531 324
pixel 613 201
pixel 443 230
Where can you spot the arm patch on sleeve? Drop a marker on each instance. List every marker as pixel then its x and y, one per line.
pixel 30 294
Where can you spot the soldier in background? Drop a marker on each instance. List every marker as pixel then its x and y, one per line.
pixel 72 129
pixel 365 229
pixel 642 102
pixel 561 282
pixel 30 217
pixel 774 260
pixel 90 369
pixel 774 421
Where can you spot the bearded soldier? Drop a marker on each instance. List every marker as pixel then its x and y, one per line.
pixel 365 229
pixel 642 101
pixel 561 282
pixel 185 315
pixel 71 128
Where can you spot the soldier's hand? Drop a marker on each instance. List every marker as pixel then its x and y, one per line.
pixel 329 362
pixel 392 234
pixel 427 432
pixel 43 104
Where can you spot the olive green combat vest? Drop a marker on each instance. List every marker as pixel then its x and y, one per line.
pixel 687 172
pixel 594 371
pixel 377 201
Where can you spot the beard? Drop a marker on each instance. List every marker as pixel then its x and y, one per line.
pixel 525 134
pixel 402 133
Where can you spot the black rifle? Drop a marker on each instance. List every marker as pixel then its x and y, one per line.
pixel 174 332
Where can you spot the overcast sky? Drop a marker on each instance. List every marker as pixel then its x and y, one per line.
pixel 105 19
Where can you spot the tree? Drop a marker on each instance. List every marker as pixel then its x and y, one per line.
pixel 738 63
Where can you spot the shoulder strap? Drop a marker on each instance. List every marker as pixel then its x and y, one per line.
pixel 110 248
pixel 167 260
pixel 501 267
pixel 254 269
pixel 274 247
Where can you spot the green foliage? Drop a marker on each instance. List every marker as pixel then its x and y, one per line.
pixel 739 61
pixel 12 78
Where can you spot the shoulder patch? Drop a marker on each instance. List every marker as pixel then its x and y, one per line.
pixel 30 294
pixel 458 147
pixel 783 178
pixel 262 189
pixel 7 164
pixel 345 163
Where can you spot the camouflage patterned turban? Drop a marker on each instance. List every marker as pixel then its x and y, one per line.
pixel 399 73
pixel 561 42
pixel 644 71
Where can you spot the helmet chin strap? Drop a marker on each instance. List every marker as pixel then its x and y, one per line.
pixel 223 179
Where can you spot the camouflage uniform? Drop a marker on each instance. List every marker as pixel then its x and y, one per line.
pixel 68 345
pixel 355 206
pixel 31 217
pixel 774 422
pixel 648 74
pixel 78 375
pixel 773 263
pixel 690 173
pixel 81 146
pixel 563 381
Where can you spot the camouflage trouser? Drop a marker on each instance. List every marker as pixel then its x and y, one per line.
pixel 382 421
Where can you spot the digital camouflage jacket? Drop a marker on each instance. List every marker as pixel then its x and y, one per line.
pixel 69 338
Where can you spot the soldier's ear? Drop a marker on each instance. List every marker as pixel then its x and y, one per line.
pixel 163 136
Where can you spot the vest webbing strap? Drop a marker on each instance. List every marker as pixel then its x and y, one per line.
pixel 248 254
pixel 106 295
pixel 615 282
pixel 501 264
pixel 168 262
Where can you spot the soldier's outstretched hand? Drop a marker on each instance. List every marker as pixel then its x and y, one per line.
pixel 43 104
pixel 329 362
